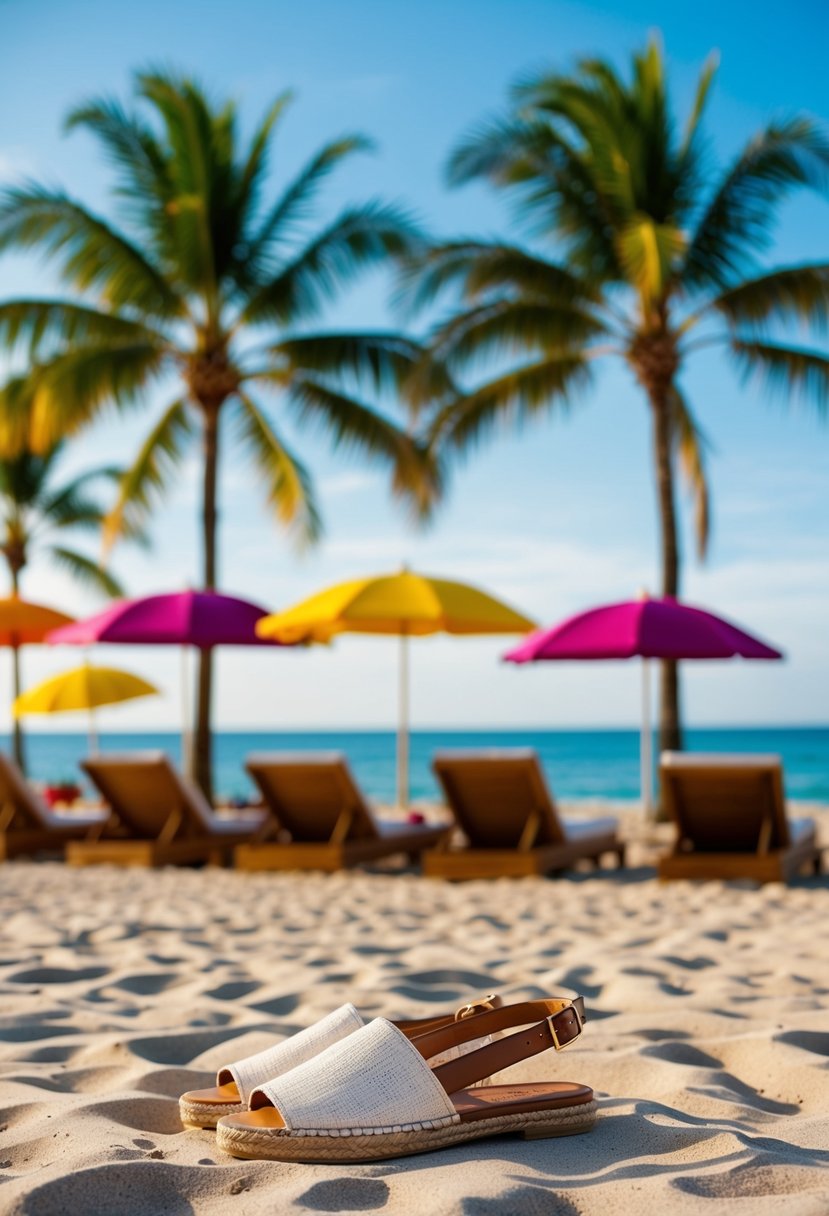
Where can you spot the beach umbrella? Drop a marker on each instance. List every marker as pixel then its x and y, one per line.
pixel 643 628
pixel 403 605
pixel 84 688
pixel 23 623
pixel 201 619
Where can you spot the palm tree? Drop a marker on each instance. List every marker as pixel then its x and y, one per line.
pixel 205 278
pixel 659 257
pixel 37 509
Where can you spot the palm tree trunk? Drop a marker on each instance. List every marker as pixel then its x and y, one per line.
pixel 18 748
pixel 670 727
pixel 202 758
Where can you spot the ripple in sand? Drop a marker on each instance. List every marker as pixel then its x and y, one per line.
pixel 173 1082
pixel 182 1048
pixel 233 991
pixel 682 1053
pixel 158 1115
pixel 57 975
pixel 147 985
pixel 815 1041
pixel 753 1180
pixel 130 1188
pixel 346 1195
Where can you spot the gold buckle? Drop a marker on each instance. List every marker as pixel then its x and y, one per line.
pixel 481 1006
pixel 551 1023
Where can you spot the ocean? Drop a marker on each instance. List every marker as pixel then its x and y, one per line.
pixel 580 764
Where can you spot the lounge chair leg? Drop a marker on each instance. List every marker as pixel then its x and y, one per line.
pixel 621 854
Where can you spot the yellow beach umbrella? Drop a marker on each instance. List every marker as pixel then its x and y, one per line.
pixel 83 688
pixel 23 623
pixel 405 605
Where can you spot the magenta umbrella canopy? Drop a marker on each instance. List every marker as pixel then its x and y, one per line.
pixel 647 628
pixel 187 618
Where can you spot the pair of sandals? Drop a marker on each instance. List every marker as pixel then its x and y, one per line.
pixel 347 1090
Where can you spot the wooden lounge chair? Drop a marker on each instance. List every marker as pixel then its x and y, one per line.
pixel 321 819
pixel 165 819
pixel 28 825
pixel 731 820
pixel 501 802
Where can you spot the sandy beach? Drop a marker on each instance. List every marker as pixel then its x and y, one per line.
pixel 707 1043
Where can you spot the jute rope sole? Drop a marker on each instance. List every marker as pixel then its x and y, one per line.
pixel 285 1146
pixel 201 1115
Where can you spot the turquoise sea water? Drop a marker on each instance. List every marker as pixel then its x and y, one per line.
pixel 579 763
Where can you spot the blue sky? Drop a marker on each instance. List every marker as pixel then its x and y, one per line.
pixel 554 519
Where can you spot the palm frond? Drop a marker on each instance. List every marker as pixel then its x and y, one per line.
pixel 16 397
pixel 787 370
pixel 511 399
pixel 504 150
pixel 146 481
pixel 359 238
pixel 355 427
pixel 382 361
pixel 73 503
pixel 287 482
pixel 505 327
pixel 792 293
pixel 692 448
pixel 736 224
pixel 88 252
pixel 74 386
pixel 39 323
pixel 553 185
pixel 86 571
pixel 255 168
pixel 295 202
pixel 692 127
pixel 201 210
pixel 478 267
pixel 144 185
pixel 649 253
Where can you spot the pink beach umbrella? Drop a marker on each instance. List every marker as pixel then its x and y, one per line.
pixel 648 629
pixel 202 619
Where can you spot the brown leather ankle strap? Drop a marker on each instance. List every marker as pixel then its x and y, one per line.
pixel 553 1022
pixel 419 1026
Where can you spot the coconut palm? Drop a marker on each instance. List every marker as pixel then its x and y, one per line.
pixel 37 510
pixel 205 281
pixel 658 256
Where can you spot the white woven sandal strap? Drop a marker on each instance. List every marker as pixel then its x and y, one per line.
pixel 375 1081
pixel 284 1056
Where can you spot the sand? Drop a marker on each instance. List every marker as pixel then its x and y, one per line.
pixel 708 1042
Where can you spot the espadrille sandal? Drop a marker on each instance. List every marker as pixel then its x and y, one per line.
pixel 374 1096
pixel 201 1108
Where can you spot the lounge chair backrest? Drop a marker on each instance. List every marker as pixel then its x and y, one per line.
pixel 500 799
pixel 20 807
pixel 313 797
pixel 725 803
pixel 150 796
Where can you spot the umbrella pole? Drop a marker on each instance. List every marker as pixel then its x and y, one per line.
pixel 646 761
pixel 186 738
pixel 18 749
pixel 93 733
pixel 403 725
